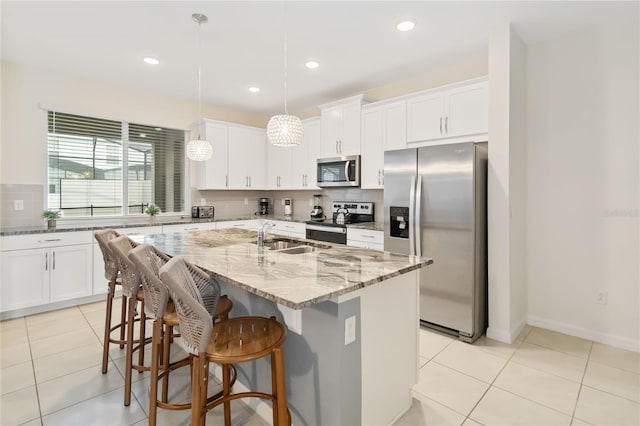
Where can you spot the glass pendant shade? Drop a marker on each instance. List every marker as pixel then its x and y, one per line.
pixel 199 150
pixel 285 130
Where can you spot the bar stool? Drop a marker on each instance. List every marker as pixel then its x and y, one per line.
pixel 111 273
pixel 227 342
pixel 161 309
pixel 132 288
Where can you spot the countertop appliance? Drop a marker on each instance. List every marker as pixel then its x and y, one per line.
pixel 317 213
pixel 288 207
pixel 263 204
pixel 202 212
pixel 330 230
pixel 338 171
pixel 435 204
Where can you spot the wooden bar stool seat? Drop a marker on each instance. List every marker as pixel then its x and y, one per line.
pixel 227 342
pixel 159 306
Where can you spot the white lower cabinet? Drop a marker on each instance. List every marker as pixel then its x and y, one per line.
pixel 365 238
pixel 45 268
pixel 251 225
pixel 288 229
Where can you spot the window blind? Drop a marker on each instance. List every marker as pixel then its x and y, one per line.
pixel 86 159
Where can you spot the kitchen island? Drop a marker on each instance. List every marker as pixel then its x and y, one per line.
pixel 351 353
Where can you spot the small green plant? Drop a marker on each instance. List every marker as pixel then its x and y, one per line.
pixel 50 214
pixel 152 210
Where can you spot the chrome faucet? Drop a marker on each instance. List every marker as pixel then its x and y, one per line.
pixel 262 234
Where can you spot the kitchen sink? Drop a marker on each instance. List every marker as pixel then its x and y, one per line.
pixel 289 246
pixel 298 250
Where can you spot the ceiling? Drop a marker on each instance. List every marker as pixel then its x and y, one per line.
pixel 355 42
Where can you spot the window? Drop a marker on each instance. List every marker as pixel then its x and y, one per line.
pixel 87 157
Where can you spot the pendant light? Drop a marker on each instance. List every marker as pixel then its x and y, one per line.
pixel 285 129
pixel 199 149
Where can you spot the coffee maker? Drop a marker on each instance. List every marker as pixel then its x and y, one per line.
pixel 264 206
pixel 317 213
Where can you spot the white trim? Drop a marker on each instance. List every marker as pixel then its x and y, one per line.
pixel 596 336
pixel 499 335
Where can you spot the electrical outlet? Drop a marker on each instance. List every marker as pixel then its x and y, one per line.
pixel 350 330
pixel 203 201
pixel 601 297
pixel 246 201
pixel 18 205
pixel 311 202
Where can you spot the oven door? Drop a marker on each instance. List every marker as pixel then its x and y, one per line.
pixel 330 234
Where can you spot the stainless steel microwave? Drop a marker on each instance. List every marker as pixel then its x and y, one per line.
pixel 338 171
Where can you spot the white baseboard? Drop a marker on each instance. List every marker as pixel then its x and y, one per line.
pixel 596 336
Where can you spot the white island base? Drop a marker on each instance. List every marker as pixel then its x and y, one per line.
pixel 330 381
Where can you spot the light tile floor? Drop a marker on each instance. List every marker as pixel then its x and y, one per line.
pixel 50 375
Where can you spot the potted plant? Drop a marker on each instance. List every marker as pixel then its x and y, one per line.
pixel 152 211
pixel 51 216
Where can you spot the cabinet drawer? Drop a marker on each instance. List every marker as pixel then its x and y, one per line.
pixel 242 224
pixel 289 228
pixel 365 235
pixel 139 230
pixel 44 240
pixel 170 229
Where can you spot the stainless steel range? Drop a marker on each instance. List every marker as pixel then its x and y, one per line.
pixel 334 229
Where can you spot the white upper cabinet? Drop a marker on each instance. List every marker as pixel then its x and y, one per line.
pixel 279 166
pixel 213 172
pixel 454 112
pixel 238 157
pixel 384 127
pixel 304 156
pixel 247 153
pixel 340 127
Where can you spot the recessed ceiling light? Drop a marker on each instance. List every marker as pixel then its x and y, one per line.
pixel 254 89
pixel 406 26
pixel 151 61
pixel 311 64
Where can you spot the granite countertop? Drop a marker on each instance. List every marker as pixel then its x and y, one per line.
pixel 95 225
pixel 293 280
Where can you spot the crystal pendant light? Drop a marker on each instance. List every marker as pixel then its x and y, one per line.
pixel 199 149
pixel 285 129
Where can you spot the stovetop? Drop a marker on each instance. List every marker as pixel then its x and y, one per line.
pixel 360 212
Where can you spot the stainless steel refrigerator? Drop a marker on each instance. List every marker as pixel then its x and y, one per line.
pixel 435 205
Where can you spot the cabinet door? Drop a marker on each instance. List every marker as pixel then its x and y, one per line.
pixel 372 148
pixel 279 166
pixel 100 282
pixel 425 118
pixel 395 126
pixel 247 153
pixel 330 131
pixel 467 111
pixel 25 279
pixel 350 138
pixel 70 272
pixel 303 171
pixel 213 172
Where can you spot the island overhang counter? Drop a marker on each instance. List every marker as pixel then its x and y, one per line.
pixel 351 355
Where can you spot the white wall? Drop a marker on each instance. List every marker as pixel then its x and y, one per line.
pixel 583 184
pixel 505 181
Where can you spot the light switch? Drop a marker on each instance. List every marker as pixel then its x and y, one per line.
pixel 350 330
pixel 18 205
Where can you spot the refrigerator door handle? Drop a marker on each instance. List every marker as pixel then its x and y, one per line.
pixel 412 224
pixel 416 222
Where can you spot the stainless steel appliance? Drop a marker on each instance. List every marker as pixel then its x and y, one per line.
pixel 338 171
pixel 317 213
pixel 263 206
pixel 331 230
pixel 435 204
pixel 288 207
pixel 202 212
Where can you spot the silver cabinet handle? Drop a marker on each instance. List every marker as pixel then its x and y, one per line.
pixel 226 181
pixel 50 240
pixel 367 236
pixel 54 260
pixel 340 146
pixel 446 125
pixel 246 181
pixel 241 225
pixel 378 176
pixel 337 152
pixel 382 177
pixel 249 181
pixel 440 126
pixel 46 261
